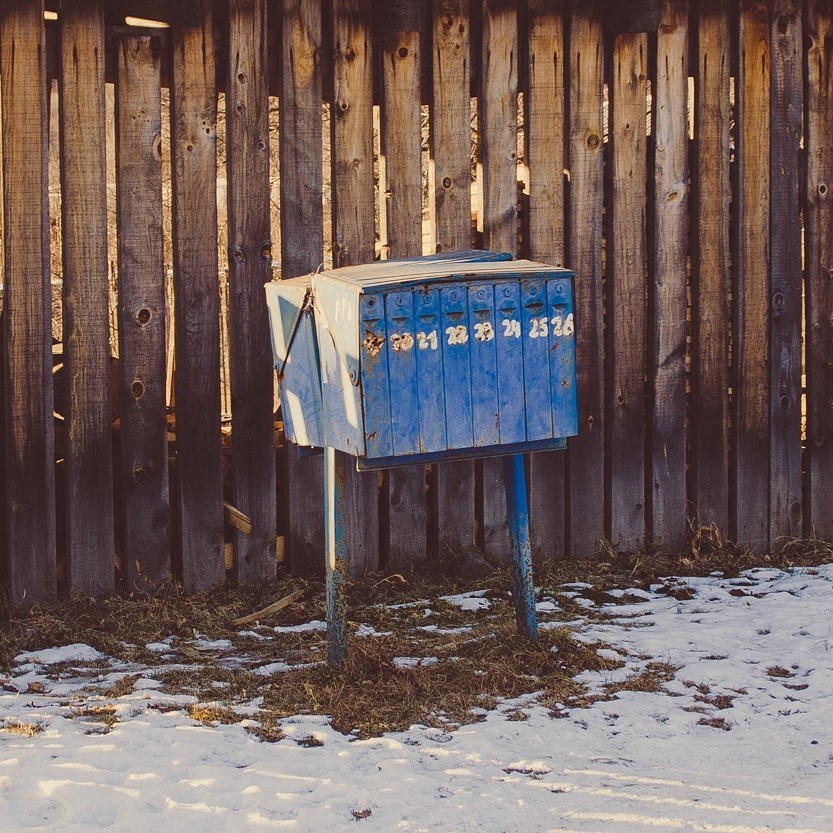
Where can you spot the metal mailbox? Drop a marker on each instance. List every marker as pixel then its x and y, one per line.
pixel 456 356
pixel 469 354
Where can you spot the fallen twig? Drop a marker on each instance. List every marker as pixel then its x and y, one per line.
pixel 270 609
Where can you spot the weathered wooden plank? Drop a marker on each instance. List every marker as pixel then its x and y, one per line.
pixel 819 264
pixel 197 298
pixel 90 536
pixel 451 123
pixel 627 291
pixel 354 225
pixel 27 372
pixel 402 147
pixel 751 341
pixel 710 379
pixel 498 126
pixel 585 497
pixel 352 127
pixel 668 298
pixel 144 454
pixel 401 126
pixel 786 95
pixel 498 122
pixel 545 155
pixel 302 242
pixel 453 494
pixel 302 212
pixel 250 267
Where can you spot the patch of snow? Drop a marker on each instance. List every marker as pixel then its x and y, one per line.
pixel 404 663
pixel 469 601
pixel 314 625
pixel 77 652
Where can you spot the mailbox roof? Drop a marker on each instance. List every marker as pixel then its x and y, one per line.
pixel 470 264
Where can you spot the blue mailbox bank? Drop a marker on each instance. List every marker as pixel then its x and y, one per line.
pixel 468 354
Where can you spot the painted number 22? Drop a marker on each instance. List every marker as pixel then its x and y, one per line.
pixel 457 335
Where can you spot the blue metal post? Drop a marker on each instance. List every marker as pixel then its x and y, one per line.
pixel 517 516
pixel 335 555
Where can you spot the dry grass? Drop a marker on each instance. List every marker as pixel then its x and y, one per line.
pixel 470 661
pixel 22 728
pixel 652 678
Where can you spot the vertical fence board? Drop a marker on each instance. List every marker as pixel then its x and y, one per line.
pixel 89 454
pixel 668 298
pixel 250 262
pixel 585 463
pixel 302 243
pixel 453 494
pixel 197 299
pixel 710 373
pixel 27 373
pixel 750 383
pixel 302 212
pixel 545 136
pixel 628 268
pixel 402 147
pixel 354 226
pixel 785 513
pixel 144 451
pixel 819 264
pixel 498 124
pixel 451 123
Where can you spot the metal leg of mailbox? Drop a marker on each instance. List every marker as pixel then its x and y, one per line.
pixel 517 515
pixel 335 555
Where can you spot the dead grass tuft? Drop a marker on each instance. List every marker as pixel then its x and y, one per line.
pixel 652 678
pixel 210 714
pixel 715 723
pixel 22 728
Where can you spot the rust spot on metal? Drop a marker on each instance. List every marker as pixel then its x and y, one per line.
pixel 373 344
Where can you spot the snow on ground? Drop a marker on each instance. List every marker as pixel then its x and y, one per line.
pixel 740 741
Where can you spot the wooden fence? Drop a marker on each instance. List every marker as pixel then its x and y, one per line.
pixel 677 155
